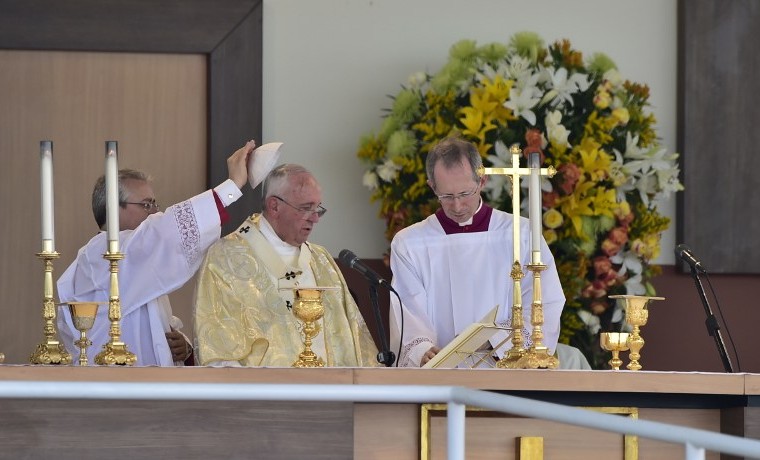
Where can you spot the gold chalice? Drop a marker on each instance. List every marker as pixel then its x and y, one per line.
pixel 83 316
pixel 614 342
pixel 636 314
pixel 307 307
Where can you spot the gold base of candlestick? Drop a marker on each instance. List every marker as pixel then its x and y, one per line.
pixel 115 354
pixel 2 358
pixel 50 351
pixel 115 351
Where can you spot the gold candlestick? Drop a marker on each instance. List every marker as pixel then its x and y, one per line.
pixel 614 342
pixel 83 316
pixel 114 351
pixel 50 351
pixel 537 356
pixel 636 314
pixel 511 358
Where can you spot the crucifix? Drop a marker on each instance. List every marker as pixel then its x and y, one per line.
pixel 537 356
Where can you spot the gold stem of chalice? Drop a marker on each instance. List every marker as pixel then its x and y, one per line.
pixel 636 314
pixel 614 342
pixel 511 358
pixel 83 316
pixel 307 307
pixel 114 351
pixel 50 351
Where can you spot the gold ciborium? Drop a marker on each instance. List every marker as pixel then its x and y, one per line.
pixel 308 308
pixel 83 316
pixel 614 342
pixel 636 314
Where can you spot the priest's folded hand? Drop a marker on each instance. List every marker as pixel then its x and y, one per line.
pixel 178 345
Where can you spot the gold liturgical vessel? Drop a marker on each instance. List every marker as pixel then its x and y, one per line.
pixel 614 342
pixel 636 314
pixel 308 308
pixel 83 316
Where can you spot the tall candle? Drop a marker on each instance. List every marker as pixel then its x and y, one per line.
pixel 534 203
pixel 112 192
pixel 46 192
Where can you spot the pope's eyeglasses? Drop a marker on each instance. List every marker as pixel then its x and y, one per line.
pixel 319 210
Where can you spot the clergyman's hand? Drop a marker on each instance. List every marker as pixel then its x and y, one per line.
pixel 178 345
pixel 430 354
pixel 237 164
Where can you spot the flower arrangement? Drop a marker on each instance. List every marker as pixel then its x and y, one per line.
pixel 599 217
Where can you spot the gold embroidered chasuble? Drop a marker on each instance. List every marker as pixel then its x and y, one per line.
pixel 242 314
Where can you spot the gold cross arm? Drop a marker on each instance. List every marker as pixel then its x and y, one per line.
pixel 549 171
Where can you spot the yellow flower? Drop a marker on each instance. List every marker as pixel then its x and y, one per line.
pixel 602 99
pixel 552 218
pixel 550 236
pixel 621 115
pixel 594 161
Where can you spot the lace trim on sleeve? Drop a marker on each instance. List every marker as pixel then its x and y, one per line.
pixel 189 233
pixel 404 359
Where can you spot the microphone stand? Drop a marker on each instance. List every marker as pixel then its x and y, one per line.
pixel 386 356
pixel 713 328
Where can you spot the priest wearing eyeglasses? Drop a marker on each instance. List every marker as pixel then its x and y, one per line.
pixel 452 268
pixel 162 251
pixel 244 298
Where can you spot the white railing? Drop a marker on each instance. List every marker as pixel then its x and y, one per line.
pixel 695 441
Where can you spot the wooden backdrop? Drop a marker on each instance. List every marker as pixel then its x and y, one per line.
pixel 718 212
pixel 178 108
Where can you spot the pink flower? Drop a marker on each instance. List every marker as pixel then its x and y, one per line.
pixel 599 306
pixel 595 290
pixel 550 199
pixel 618 235
pixel 569 173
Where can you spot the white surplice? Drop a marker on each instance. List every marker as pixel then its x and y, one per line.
pixel 161 255
pixel 447 282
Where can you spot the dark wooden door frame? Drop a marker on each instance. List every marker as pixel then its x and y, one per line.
pixel 228 32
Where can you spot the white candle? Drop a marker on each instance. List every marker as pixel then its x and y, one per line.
pixel 46 192
pixel 534 203
pixel 112 192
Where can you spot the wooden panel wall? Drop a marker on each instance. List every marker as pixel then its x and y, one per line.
pixel 718 212
pixel 153 104
pixel 227 37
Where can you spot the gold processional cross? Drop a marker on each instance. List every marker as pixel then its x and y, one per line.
pixel 537 356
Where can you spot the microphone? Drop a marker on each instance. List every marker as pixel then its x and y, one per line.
pixel 684 253
pixel 385 356
pixel 350 259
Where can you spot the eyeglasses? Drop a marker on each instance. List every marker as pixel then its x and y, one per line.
pixel 450 197
pixel 319 210
pixel 148 206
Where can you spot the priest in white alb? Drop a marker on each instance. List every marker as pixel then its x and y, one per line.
pixel 452 268
pixel 162 251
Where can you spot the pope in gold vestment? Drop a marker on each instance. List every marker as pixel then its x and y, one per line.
pixel 244 298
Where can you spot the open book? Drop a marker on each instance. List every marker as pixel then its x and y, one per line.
pixel 470 346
